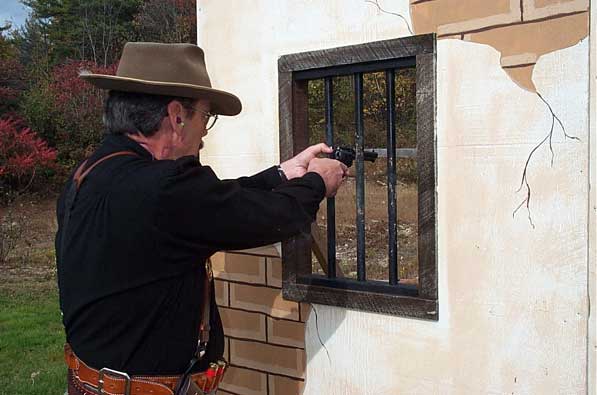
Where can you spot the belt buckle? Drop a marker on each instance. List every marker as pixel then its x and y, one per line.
pixel 117 374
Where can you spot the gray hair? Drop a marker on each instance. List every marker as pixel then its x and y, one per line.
pixel 131 112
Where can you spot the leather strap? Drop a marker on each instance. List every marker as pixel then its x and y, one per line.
pixel 88 379
pixel 204 326
pixel 82 172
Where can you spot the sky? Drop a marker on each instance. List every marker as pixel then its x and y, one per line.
pixel 13 11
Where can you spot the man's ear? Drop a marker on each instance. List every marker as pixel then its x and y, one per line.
pixel 175 113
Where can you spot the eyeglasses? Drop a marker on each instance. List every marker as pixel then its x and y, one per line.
pixel 210 119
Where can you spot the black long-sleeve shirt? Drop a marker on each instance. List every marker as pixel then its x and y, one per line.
pixel 131 273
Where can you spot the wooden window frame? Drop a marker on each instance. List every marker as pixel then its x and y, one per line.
pixel 298 284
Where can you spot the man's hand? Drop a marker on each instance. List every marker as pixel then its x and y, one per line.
pixel 332 171
pixel 297 166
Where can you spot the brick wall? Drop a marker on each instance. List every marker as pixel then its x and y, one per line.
pixel 264 334
pixel 522 30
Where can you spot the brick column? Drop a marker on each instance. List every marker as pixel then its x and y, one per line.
pixel 264 334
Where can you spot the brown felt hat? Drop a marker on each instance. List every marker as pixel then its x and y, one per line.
pixel 166 69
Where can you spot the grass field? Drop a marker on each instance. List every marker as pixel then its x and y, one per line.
pixel 31 344
pixel 31 332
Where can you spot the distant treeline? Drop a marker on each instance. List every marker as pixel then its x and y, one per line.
pixel 49 119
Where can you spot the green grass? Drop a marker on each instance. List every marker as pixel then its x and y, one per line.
pixel 31 341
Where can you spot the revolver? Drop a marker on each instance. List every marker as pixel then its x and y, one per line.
pixel 346 155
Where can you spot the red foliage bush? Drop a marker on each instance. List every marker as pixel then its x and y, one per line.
pixel 78 107
pixel 22 152
pixel 71 92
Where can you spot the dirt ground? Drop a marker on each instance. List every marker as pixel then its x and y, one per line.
pixel 376 226
pixel 29 225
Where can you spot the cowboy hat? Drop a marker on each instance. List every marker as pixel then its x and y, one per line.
pixel 165 69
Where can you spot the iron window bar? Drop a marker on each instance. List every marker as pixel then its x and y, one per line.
pixel 391 152
pixel 331 202
pixel 391 174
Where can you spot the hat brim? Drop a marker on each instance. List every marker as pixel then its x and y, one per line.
pixel 222 102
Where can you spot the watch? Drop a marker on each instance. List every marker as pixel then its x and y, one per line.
pixel 281 173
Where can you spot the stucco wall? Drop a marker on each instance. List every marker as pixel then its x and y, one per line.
pixel 513 297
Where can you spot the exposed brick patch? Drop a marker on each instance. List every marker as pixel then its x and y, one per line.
pixel 243 324
pixel 239 267
pixel 450 17
pixel 221 290
pixel 268 358
pixel 523 42
pixel 540 9
pixel 274 272
pixel 522 75
pixel 244 381
pixel 518 59
pixel 305 310
pixel 288 333
pixel 279 385
pixel 264 300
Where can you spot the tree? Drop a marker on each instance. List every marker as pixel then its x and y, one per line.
pixel 12 76
pixel 168 21
pixel 374 109
pixel 77 107
pixel 86 30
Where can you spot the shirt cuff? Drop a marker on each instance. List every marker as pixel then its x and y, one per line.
pixel 317 181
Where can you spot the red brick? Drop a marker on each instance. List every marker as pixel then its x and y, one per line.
pixel 244 381
pixel 457 16
pixel 536 9
pixel 238 323
pixel 285 386
pixel 286 333
pixel 274 272
pixel 266 357
pixel 305 311
pixel 238 267
pixel 221 289
pixel 264 300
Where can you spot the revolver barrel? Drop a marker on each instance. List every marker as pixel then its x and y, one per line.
pixel 347 155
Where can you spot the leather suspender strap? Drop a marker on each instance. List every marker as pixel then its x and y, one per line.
pixel 82 172
pixel 204 326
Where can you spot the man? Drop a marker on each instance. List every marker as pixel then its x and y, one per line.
pixel 138 220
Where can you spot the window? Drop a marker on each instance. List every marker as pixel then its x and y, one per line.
pixel 373 247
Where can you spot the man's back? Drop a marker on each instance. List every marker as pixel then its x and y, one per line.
pixel 125 304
